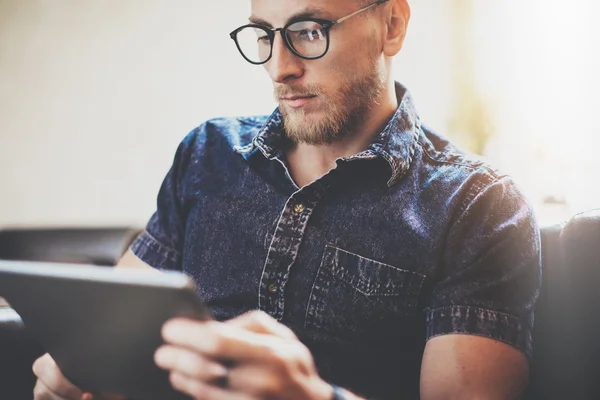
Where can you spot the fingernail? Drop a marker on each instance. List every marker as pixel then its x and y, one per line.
pixel 163 356
pixel 87 396
pixel 166 330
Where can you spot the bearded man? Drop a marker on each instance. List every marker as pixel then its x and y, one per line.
pixel 345 249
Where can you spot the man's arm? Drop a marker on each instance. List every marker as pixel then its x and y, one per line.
pixel 480 318
pixel 472 367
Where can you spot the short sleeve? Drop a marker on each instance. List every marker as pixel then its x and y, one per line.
pixel 160 244
pixel 491 270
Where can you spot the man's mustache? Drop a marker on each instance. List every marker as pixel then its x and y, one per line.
pixel 290 91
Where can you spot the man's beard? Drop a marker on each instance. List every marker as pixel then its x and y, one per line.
pixel 342 112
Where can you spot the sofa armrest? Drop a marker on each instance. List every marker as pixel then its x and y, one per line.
pixel 96 246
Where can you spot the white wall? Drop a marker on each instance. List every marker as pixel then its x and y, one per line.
pixel 95 95
pixel 541 60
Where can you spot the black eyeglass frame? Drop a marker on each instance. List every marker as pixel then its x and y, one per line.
pixel 326 24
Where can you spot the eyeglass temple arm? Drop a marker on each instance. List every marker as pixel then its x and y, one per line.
pixel 339 21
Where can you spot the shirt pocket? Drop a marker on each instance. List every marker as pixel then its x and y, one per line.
pixel 354 297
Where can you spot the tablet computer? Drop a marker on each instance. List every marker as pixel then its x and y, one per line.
pixel 102 325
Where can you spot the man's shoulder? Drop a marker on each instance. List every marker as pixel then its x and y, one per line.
pixel 224 133
pixel 460 177
pixel 465 186
pixel 439 152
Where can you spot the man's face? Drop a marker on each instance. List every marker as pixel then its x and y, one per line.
pixel 325 99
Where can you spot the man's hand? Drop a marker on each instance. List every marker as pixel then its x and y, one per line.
pixel 52 384
pixel 266 360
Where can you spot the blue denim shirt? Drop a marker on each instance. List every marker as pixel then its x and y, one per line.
pixel 405 241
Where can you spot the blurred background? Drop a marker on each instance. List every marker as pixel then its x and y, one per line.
pixel 95 96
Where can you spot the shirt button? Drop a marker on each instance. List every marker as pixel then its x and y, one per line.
pixel 273 288
pixel 299 208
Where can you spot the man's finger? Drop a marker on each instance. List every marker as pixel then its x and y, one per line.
pixel 219 341
pixel 261 322
pixel 41 392
pixel 50 376
pixel 254 379
pixel 200 390
pixel 189 363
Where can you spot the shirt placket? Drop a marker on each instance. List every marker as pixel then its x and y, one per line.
pixel 284 247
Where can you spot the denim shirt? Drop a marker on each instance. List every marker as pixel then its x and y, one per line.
pixel 405 241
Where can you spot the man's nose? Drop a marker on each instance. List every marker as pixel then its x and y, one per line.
pixel 284 64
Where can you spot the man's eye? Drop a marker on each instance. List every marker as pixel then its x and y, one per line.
pixel 311 34
pixel 263 39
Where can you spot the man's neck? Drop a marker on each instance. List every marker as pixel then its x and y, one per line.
pixel 308 163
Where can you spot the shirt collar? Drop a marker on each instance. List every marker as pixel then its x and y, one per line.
pixel 396 144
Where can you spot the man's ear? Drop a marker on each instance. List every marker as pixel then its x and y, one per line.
pixel 396 20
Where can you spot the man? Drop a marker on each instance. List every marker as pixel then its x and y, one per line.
pixel 382 259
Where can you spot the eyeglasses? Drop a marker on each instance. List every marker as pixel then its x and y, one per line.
pixel 308 38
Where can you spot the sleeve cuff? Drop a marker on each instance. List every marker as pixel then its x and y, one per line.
pixel 480 322
pixel 154 253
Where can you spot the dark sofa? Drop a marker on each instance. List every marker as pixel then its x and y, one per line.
pixel 565 363
pixel 566 359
